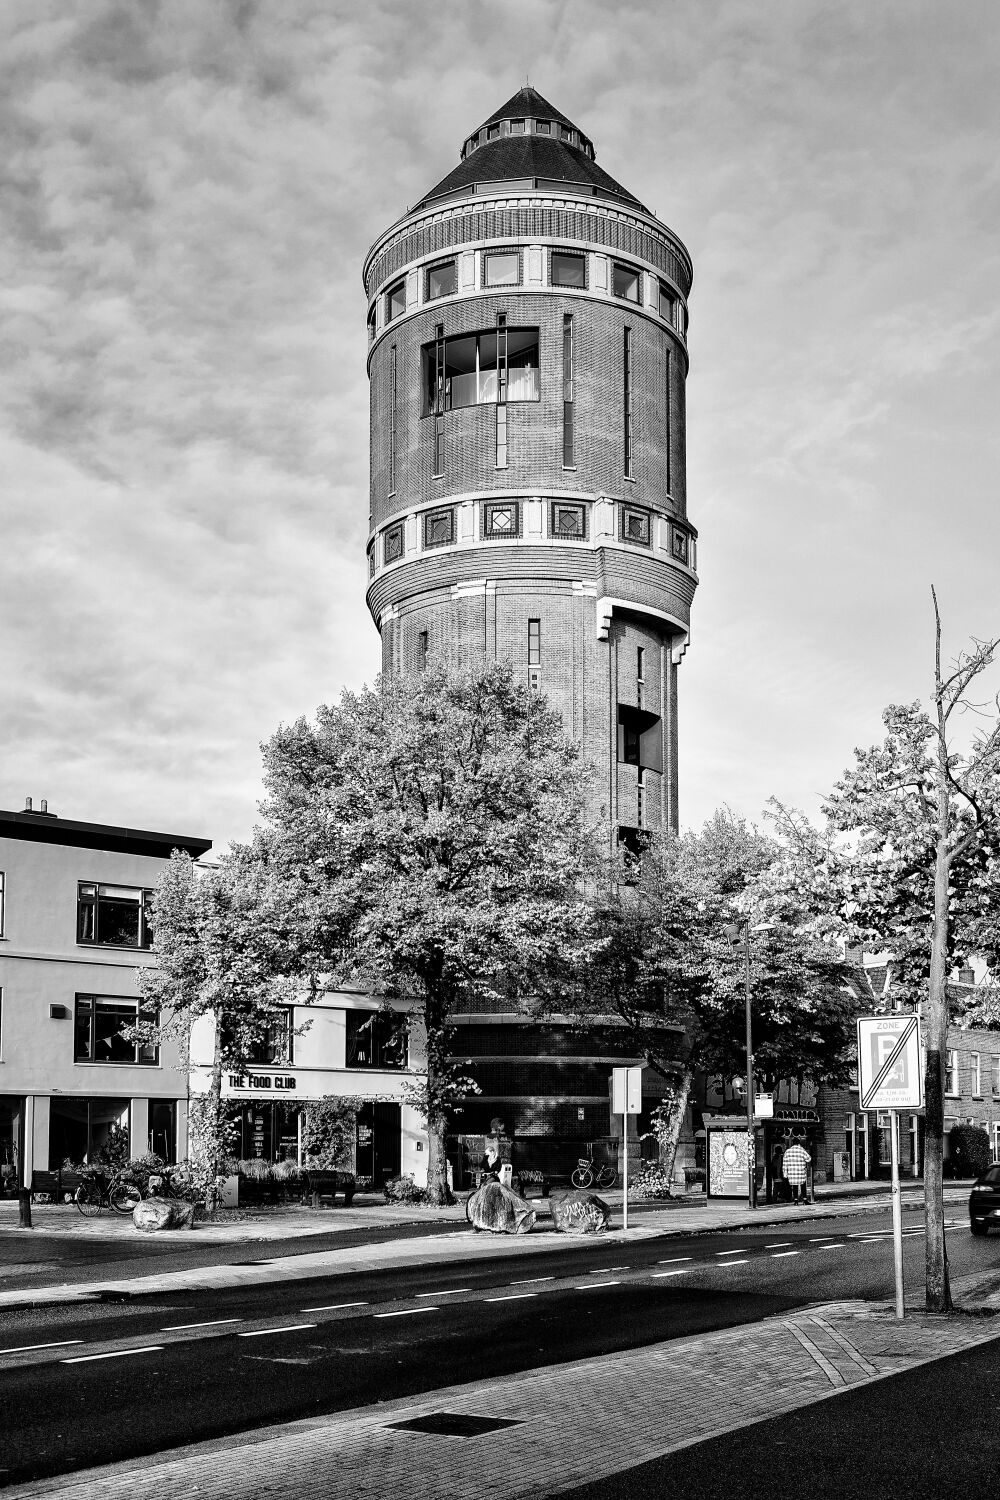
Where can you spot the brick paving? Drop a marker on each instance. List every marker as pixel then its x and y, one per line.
pixel 575 1422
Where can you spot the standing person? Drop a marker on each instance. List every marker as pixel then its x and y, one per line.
pixel 795 1165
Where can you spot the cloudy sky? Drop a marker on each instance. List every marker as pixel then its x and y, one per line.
pixel 187 192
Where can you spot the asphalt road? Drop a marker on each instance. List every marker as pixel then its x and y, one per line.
pixel 92 1384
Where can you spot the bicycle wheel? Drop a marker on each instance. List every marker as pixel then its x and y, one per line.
pixel 124 1196
pixel 88 1199
pixel 607 1177
pixel 581 1177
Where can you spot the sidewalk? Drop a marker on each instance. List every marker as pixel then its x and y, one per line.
pixel 449 1238
pixel 534 1434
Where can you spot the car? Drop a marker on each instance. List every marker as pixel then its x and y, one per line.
pixel 984 1201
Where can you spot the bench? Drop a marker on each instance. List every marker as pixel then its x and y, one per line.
pixel 326 1185
pixel 55 1185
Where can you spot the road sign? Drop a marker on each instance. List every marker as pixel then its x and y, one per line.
pixel 890 1075
pixel 626 1091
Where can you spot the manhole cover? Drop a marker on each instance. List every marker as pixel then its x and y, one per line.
pixel 454 1424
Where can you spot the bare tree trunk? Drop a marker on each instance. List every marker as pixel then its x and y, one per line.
pixel 216 1134
pixel 937 1291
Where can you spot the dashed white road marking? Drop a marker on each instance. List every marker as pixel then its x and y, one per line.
pixel 212 1323
pixel 778 1245
pixel 512 1297
pixel 782 1253
pixel 730 1252
pixel 531 1280
pixel 57 1344
pixel 832 1247
pixel 451 1291
pixel 257 1333
pixel 590 1285
pixel 723 1265
pixel 675 1260
pixel 683 1270
pixel 81 1359
pixel 334 1306
pixel 406 1312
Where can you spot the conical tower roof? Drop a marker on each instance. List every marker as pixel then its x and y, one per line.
pixel 528 144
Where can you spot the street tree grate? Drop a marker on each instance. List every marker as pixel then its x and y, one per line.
pixel 454 1424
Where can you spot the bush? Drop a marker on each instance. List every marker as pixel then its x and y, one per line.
pixel 403 1190
pixel 970 1150
pixel 651 1181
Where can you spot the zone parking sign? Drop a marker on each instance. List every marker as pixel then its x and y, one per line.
pixel 890 1075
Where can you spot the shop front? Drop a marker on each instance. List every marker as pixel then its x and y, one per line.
pixel 791 1125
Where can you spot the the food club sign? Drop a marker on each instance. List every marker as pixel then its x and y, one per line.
pixel 253 1081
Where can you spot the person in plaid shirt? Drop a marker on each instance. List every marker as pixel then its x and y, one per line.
pixel 794 1165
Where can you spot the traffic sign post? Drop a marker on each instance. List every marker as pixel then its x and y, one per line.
pixel 890 1077
pixel 626 1099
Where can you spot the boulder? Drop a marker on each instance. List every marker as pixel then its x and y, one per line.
pixel 153 1214
pixel 579 1213
pixel 499 1210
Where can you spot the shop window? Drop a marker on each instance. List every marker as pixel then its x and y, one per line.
pixel 269 1130
pixel 636 526
pixel 395 301
pixel 442 280
pixel 567 269
pixel 568 522
pixel 439 527
pixel 99 1037
pixel 116 916
pixel 501 268
pixel 375 1040
pixel 392 543
pixel 85 1130
pixel 163 1129
pixel 501 520
pixel 626 282
pixel 476 370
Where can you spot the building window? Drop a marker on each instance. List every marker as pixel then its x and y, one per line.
pixel 503 520
pixel 480 368
pixel 640 802
pixel 392 543
pixel 668 305
pixel 568 451
pixel 375 1040
pixel 422 639
pixel 501 268
pixel 977 1075
pixel 98 1037
pixel 951 1072
pixel 640 674
pixel 627 402
pixel 636 525
pixel 371 326
pixel 679 545
pixel 564 134
pixel 116 916
pixel 493 133
pixel 371 562
pixel 542 127
pixel 995 1075
pixel 395 301
pixel 569 522
pixel 502 435
pixel 626 282
pixel 273 1047
pixel 566 269
pixel 517 127
pixel 2 894
pixel 442 280
pixel 392 420
pixel 534 643
pixel 439 527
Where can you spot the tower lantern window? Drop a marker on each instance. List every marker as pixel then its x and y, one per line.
pixel 568 270
pixel 442 280
pixel 501 268
pixel 395 301
pixel 626 282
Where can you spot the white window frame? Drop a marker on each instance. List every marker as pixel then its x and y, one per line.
pixel 977 1073
pixel 995 1074
pixel 952 1087
pixel 3 890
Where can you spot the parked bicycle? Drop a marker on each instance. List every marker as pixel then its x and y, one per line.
pixel 590 1173
pixel 99 1191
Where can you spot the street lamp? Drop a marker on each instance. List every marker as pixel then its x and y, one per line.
pixel 733 931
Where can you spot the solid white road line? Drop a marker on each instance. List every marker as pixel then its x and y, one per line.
pixel 588 1286
pixel 726 1263
pixel 406 1311
pixel 683 1270
pixel 214 1323
pixel 782 1253
pixel 832 1247
pixel 778 1245
pixel 451 1291
pixel 730 1252
pixel 81 1359
pixel 511 1297
pixel 675 1261
pixel 58 1344
pixel 258 1333
pixel 334 1306
pixel 817 1239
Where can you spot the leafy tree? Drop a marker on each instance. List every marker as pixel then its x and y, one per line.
pixel 909 861
pixel 668 974
pixel 222 949
pixel 431 837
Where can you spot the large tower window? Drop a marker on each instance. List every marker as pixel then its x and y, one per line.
pixel 466 371
pixel 395 301
pixel 627 403
pixel 626 281
pixel 567 269
pixel 501 268
pixel 569 459
pixel 442 280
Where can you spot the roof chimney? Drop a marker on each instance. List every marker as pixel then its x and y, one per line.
pixel 27 804
pixel 45 805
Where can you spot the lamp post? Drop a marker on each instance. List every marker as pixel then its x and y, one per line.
pixel 734 931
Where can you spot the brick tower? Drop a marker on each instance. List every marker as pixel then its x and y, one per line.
pixel 527 355
pixel 527 328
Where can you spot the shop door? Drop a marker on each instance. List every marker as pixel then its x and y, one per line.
pixel 379 1154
